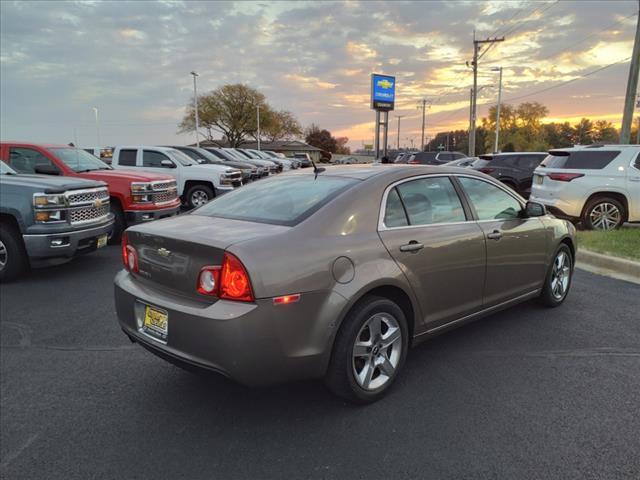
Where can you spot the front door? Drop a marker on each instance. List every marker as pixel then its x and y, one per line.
pixel 516 246
pixel 438 246
pixel 633 187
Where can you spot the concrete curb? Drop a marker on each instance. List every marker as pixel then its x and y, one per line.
pixel 615 267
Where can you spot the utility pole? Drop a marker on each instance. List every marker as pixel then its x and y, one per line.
pixel 195 102
pixel 470 117
pixel 398 142
pixel 632 86
pixel 258 113
pixel 474 110
pixel 424 108
pixel 497 146
pixel 95 111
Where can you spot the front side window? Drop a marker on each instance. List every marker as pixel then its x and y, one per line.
pixel 25 160
pixel 429 201
pixel 153 159
pixel 490 201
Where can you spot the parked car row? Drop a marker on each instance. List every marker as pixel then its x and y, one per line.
pixel 97 201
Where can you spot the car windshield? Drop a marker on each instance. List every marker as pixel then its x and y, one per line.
pixel 79 160
pixel 6 169
pixel 181 157
pixel 281 201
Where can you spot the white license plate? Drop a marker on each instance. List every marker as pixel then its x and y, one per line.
pixel 102 241
pixel 539 179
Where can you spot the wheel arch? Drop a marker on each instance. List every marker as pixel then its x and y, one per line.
pixel 10 219
pixel 192 183
pixel 621 197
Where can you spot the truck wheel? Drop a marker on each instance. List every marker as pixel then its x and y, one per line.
pixel 13 257
pixel 199 195
pixel 603 213
pixel 118 225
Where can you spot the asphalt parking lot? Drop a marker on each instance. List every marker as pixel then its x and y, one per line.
pixel 526 393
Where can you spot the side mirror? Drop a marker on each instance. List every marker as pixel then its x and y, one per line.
pixel 534 209
pixel 167 164
pixel 46 169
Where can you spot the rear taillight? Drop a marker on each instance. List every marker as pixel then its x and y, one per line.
pixel 487 170
pixel 129 255
pixel 229 281
pixel 414 162
pixel 564 177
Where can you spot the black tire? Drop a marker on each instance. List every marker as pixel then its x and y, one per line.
pixel 548 297
pixel 590 219
pixel 119 224
pixel 13 255
pixel 202 190
pixel 340 377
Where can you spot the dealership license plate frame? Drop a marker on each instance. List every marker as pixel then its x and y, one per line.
pixel 155 322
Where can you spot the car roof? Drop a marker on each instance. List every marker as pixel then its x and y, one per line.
pixel 35 144
pixel 391 170
pixel 595 147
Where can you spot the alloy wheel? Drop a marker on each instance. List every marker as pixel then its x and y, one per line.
pixel 605 216
pixel 3 256
pixel 199 198
pixel 377 351
pixel 560 275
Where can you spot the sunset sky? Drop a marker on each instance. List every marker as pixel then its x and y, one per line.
pixel 132 61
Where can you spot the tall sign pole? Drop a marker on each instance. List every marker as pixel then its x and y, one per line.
pixel 632 86
pixel 424 107
pixel 497 146
pixel 195 103
pixel 383 93
pixel 474 101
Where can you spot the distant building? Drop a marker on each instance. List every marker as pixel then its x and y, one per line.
pixel 288 147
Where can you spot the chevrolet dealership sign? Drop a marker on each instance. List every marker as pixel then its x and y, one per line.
pixel 383 92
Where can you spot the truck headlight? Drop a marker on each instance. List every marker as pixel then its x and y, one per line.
pixel 141 192
pixel 224 180
pixel 49 216
pixel 44 201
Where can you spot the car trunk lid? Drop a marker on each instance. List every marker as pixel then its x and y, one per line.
pixel 172 252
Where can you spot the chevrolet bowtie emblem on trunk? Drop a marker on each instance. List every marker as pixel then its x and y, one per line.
pixel 163 252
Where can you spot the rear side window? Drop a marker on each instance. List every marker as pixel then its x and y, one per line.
pixel 127 158
pixel 581 159
pixel 394 215
pixel 153 159
pixel 636 164
pixel 431 200
pixel 279 201
pixel 530 162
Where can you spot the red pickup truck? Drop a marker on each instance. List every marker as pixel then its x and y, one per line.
pixel 135 196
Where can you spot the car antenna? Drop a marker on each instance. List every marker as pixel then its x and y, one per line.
pixel 317 170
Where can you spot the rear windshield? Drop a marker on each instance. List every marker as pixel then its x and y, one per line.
pixel 280 201
pixel 583 159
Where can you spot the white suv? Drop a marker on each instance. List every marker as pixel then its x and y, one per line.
pixel 598 185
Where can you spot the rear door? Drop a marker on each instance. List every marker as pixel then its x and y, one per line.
pixel 633 187
pixel 525 165
pixel 516 247
pixel 431 235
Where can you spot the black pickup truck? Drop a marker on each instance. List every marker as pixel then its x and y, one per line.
pixel 48 220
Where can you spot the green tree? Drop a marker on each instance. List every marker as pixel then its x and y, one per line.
pixel 278 125
pixel 322 139
pixel 583 132
pixel 605 132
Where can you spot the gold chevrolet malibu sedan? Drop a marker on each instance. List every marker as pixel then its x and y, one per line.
pixel 335 273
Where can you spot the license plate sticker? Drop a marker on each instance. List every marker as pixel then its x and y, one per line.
pixel 156 323
pixel 539 179
pixel 102 241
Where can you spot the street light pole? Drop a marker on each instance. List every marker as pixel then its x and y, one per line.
pixel 398 142
pixel 95 111
pixel 195 102
pixel 498 69
pixel 424 107
pixel 258 113
pixel 632 85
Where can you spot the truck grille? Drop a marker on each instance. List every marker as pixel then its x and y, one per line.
pixel 163 185
pixel 81 197
pixel 164 197
pixel 88 214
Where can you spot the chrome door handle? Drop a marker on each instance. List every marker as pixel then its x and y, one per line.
pixel 412 246
pixel 495 235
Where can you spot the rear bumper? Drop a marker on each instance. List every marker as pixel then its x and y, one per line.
pixel 559 208
pixel 252 343
pixel 42 251
pixel 140 216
